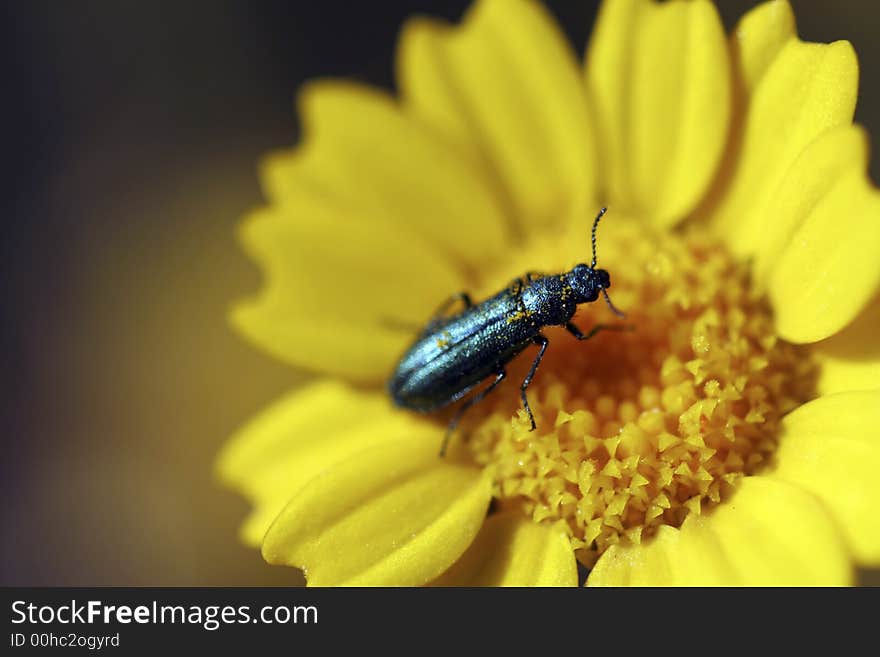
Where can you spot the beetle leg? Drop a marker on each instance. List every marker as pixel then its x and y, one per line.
pixel 576 332
pixel 541 340
pixel 466 405
pixel 517 284
pixel 464 297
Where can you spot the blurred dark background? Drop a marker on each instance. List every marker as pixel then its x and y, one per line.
pixel 133 133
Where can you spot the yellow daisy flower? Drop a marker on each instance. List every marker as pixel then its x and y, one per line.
pixel 731 438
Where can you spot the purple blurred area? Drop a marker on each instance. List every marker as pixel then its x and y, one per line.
pixel 135 131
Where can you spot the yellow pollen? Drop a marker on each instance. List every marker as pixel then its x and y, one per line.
pixel 639 429
pixel 444 340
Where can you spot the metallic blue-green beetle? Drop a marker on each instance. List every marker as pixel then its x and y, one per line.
pixel 454 353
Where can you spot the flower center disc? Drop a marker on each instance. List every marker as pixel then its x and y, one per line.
pixel 638 429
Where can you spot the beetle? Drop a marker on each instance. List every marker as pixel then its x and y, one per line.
pixel 454 353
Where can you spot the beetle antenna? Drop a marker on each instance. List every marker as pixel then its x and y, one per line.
pixel 593 238
pixel 601 214
pixel 617 312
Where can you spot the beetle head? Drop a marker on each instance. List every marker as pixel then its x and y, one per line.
pixel 586 282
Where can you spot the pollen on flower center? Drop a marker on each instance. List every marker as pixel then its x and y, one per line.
pixel 639 429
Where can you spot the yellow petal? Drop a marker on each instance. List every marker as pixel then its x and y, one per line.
pixel 830 268
pixel 831 447
pixel 768 533
pixel 608 60
pixel 394 515
pixel 511 550
pixel 659 78
pixel 850 359
pixel 758 37
pixel 335 287
pixel 362 155
pixel 754 44
pixel 507 81
pixel 814 174
pixel 807 89
pixel 301 435
pixel 654 562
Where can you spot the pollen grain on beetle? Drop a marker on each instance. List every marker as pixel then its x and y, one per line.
pixel 640 429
